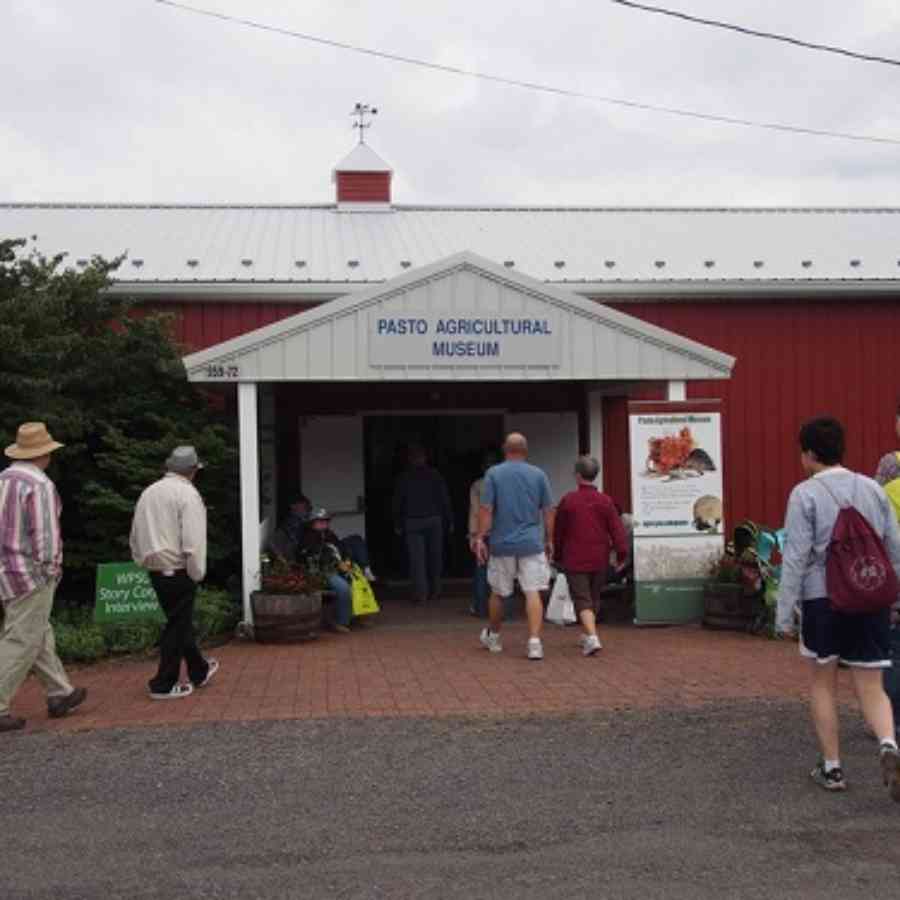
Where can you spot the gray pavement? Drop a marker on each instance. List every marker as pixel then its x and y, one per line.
pixel 699 804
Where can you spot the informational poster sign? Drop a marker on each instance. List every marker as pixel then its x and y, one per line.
pixel 677 502
pixel 125 594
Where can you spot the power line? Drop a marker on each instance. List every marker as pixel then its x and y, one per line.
pixel 530 85
pixel 752 32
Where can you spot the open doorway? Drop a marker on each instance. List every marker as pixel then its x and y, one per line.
pixel 456 444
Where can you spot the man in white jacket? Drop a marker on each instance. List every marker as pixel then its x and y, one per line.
pixel 168 538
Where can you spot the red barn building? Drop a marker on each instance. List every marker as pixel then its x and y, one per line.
pixel 325 317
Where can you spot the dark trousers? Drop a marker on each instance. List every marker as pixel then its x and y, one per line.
pixel 176 595
pixel 586 590
pixel 425 548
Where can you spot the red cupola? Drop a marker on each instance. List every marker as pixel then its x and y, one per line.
pixel 363 181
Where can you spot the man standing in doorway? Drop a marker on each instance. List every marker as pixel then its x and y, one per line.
pixel 30 569
pixel 422 513
pixel 588 528
pixel 517 513
pixel 168 538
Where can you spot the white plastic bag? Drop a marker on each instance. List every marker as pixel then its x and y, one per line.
pixel 561 609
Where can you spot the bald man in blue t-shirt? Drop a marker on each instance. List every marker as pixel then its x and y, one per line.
pixel 517 512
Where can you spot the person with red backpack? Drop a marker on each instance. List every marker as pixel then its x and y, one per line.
pixel 841 567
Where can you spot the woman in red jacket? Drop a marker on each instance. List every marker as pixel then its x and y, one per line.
pixel 587 529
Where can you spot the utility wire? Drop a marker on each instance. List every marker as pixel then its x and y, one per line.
pixel 752 32
pixel 530 85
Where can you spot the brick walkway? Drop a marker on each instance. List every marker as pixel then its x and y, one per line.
pixel 439 670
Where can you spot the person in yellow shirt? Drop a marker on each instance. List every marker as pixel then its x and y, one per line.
pixel 888 474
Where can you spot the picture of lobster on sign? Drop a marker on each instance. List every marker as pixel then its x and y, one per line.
pixel 677 456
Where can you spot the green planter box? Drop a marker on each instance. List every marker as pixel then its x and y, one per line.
pixel 672 602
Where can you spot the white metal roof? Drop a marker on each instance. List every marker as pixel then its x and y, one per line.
pixel 362 158
pixel 343 340
pixel 307 246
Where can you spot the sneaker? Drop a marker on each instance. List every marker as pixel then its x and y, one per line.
pixel 178 692
pixel 590 644
pixel 57 707
pixel 890 770
pixel 535 648
pixel 213 668
pixel 11 723
pixel 370 575
pixel 342 629
pixel 831 781
pixel 490 641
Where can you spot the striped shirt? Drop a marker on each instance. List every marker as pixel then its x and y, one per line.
pixel 31 549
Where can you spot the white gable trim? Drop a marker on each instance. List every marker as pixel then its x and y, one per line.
pixel 330 342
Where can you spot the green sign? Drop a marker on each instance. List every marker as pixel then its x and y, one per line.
pixel 125 594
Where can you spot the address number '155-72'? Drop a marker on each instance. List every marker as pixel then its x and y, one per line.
pixel 223 371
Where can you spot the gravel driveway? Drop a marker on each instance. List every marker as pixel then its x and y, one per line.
pixel 711 803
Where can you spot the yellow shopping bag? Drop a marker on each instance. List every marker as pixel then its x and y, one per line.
pixel 364 602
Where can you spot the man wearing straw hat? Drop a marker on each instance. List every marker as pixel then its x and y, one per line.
pixel 30 569
pixel 168 538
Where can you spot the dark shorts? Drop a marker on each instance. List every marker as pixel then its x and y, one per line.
pixel 585 589
pixel 861 641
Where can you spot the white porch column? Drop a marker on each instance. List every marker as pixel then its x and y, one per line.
pixel 676 390
pixel 249 459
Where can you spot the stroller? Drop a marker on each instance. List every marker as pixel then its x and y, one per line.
pixel 758 551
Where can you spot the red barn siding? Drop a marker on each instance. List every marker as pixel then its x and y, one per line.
pixel 795 359
pixel 364 187
pixel 616 461
pixel 198 325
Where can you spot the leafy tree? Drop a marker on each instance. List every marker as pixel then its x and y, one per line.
pixel 109 382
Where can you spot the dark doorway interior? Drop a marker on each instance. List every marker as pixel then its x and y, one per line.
pixel 456 445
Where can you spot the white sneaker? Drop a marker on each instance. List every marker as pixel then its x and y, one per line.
pixel 535 648
pixel 178 692
pixel 491 641
pixel 213 668
pixel 590 644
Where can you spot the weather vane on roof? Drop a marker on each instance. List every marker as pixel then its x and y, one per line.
pixel 363 113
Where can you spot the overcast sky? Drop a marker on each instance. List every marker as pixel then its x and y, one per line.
pixel 129 100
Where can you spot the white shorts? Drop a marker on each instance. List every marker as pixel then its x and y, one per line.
pixel 532 572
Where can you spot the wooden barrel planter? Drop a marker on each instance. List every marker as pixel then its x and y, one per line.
pixel 727 607
pixel 286 618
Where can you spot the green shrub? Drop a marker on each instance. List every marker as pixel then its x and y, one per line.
pixel 112 387
pixel 216 613
pixel 137 637
pixel 79 639
pixel 80 643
